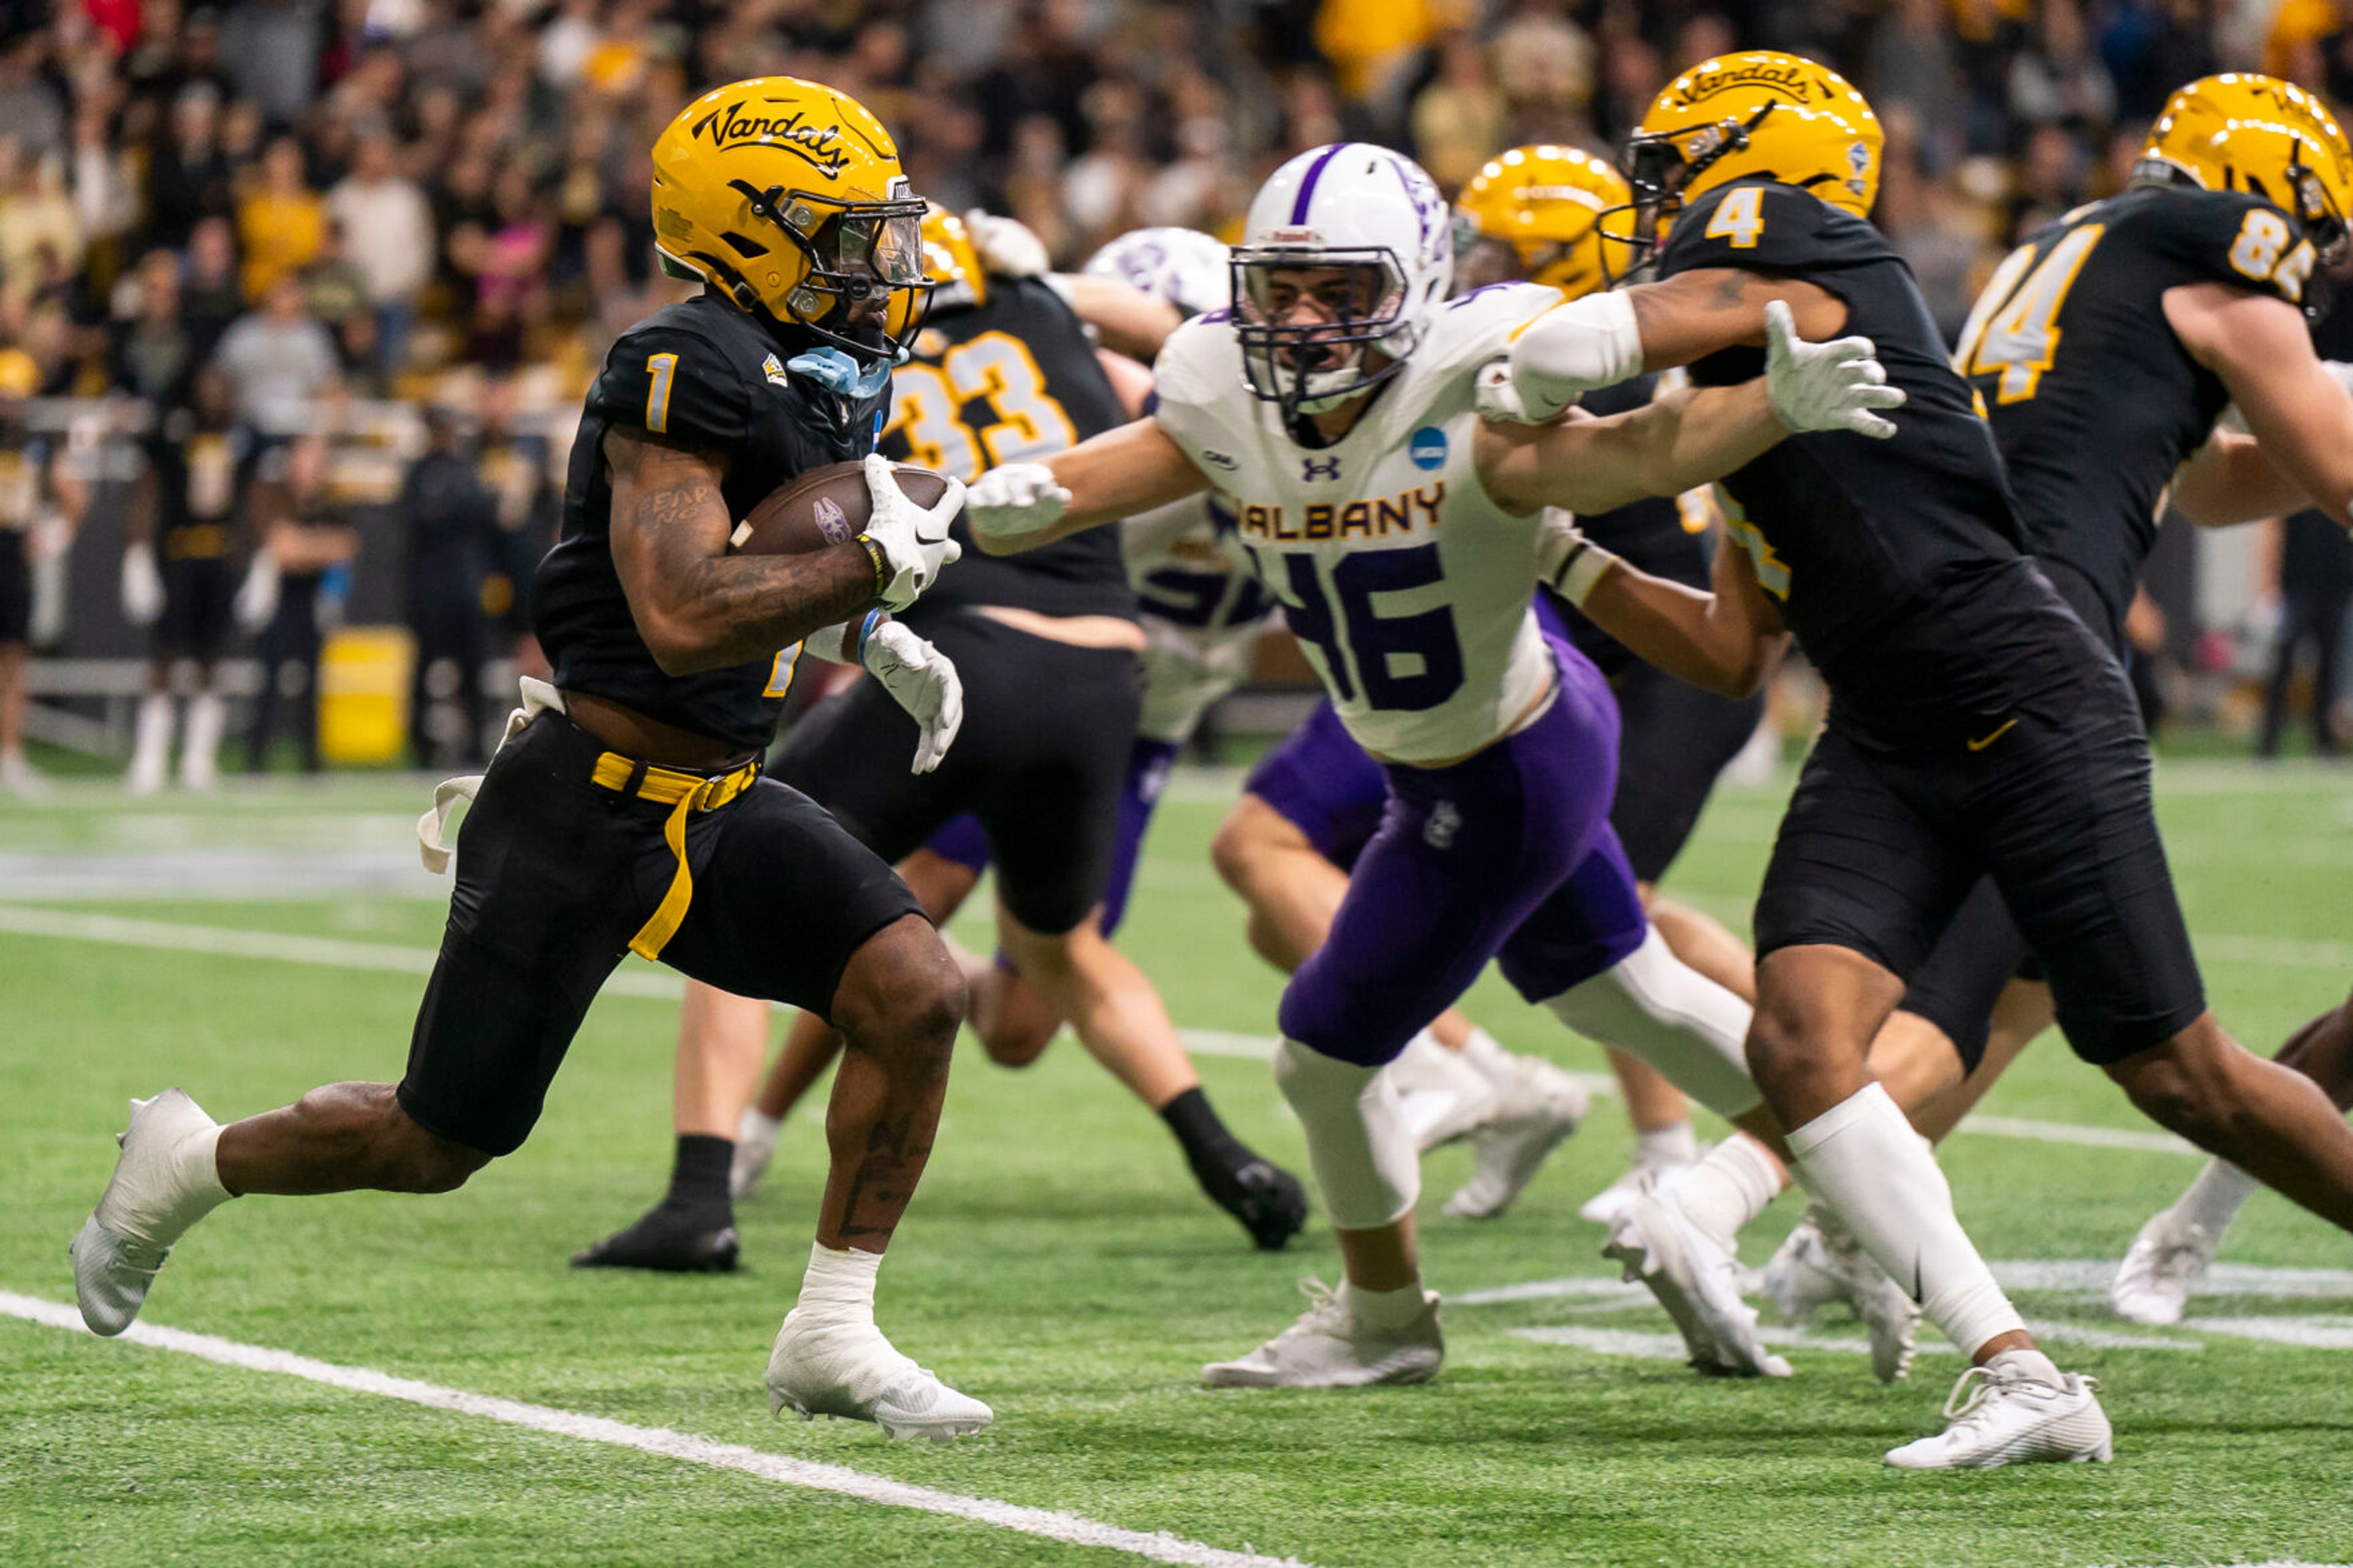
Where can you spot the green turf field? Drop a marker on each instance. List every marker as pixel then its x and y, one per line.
pixel 1058 1265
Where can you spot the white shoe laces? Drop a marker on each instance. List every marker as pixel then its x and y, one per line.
pixel 1326 1314
pixel 2172 1261
pixel 1974 1395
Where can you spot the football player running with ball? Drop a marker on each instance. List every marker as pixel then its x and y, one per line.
pixel 1334 407
pixel 626 811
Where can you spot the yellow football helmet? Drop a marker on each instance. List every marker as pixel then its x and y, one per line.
pixel 2241 131
pixel 19 376
pixel 1762 114
pixel 787 197
pixel 958 277
pixel 1545 214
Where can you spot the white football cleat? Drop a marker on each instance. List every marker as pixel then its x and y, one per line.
pixel 163 1182
pixel 755 1145
pixel 1441 1095
pixel 2152 1284
pixel 1541 1106
pixel 1801 1278
pixel 1697 1279
pixel 2006 1414
pixel 851 1371
pixel 1609 1205
pixel 1885 1308
pixel 1327 1348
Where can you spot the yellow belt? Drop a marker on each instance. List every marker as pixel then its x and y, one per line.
pixel 683 793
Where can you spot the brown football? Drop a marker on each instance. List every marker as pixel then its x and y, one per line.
pixel 823 507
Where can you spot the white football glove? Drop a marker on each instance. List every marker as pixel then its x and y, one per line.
pixel 923 681
pixel 256 598
pixel 1497 398
pixel 1016 500
pixel 914 540
pixel 142 584
pixel 1825 386
pixel 1005 246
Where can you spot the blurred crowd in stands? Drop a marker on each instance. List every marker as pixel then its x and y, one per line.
pixel 444 201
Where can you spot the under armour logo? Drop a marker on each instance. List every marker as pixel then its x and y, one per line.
pixel 1439 828
pixel 1312 468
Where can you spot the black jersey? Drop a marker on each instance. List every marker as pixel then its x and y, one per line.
pixel 201 473
pixel 25 460
pixel 2093 399
pixel 1650 534
pixel 1011 381
pixel 1898 564
pixel 705 375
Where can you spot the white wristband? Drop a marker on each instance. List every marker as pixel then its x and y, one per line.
pixel 1585 563
pixel 1589 342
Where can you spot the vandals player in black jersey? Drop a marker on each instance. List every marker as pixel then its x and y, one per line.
pixel 1977 728
pixel 179 571
pixel 1047 643
pixel 626 811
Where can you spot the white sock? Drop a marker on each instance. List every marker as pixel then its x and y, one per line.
pixel 200 748
pixel 1723 1192
pixel 2213 1198
pixel 1656 1008
pixel 839 1287
pixel 1483 1051
pixel 2030 1362
pixel 1861 1157
pixel 1383 1309
pixel 757 1127
pixel 1357 1139
pixel 151 757
pixel 196 1186
pixel 1663 1146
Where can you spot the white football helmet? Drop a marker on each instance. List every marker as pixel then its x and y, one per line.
pixel 1182 265
pixel 1373 231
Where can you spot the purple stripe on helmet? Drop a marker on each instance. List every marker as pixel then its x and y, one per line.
pixel 1307 186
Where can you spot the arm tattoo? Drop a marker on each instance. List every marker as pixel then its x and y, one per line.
pixel 670 532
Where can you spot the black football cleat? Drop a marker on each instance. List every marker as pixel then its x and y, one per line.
pixel 1267 1199
pixel 670 1240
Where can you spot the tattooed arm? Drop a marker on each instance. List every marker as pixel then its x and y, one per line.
pixel 1695 313
pixel 697 607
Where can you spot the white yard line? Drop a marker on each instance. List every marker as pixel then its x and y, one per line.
pixel 809 1474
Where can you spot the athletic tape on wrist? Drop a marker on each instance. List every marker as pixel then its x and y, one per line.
pixel 1585 563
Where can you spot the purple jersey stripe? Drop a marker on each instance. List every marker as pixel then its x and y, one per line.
pixel 1307 186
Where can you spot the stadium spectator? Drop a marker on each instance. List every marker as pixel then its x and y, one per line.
pixel 279 359
pixel 294 594
pixel 2313 592
pixel 154 349
pixel 280 221
pixel 452 518
pixel 377 201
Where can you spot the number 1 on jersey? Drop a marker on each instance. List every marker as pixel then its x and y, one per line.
pixel 2013 331
pixel 663 369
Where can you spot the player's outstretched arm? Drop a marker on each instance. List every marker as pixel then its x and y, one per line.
pixel 698 607
pixel 1685 437
pixel 1600 340
pixel 1727 640
pixel 2300 416
pixel 1116 475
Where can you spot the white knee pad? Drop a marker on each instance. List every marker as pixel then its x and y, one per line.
pixel 1357 1138
pixel 1655 1007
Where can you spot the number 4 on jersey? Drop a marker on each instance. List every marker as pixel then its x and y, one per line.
pixel 2015 331
pixel 1739 217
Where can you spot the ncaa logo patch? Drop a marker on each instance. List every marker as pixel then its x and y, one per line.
pixel 1427 448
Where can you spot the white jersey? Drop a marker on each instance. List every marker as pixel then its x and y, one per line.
pixel 1201 607
pixel 1407 588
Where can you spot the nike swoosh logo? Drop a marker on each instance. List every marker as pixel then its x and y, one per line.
pixel 1919 1297
pixel 1979 745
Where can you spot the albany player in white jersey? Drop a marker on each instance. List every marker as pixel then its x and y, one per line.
pixel 1332 409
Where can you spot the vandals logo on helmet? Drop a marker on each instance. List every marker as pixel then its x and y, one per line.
pixel 816 145
pixel 1790 77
